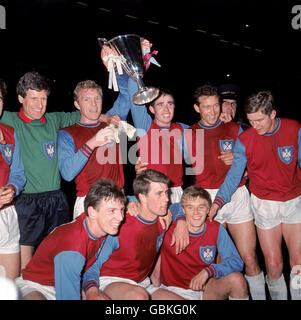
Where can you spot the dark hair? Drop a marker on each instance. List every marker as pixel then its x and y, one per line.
pixel 103 189
pixel 3 89
pixel 195 191
pixel 143 180
pixel 207 90
pixel 162 92
pixel 33 81
pixel 260 101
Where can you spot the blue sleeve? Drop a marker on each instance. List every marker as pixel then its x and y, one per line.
pixel 233 176
pixel 240 130
pixel 121 106
pixel 182 143
pixel 142 120
pixel 70 162
pixel 177 211
pixel 299 148
pixel 186 153
pixel 132 199
pixel 231 260
pixel 17 173
pixel 68 266
pixel 91 276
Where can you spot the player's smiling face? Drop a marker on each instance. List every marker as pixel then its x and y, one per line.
pixel 262 123
pixel 209 109
pixel 196 211
pixel 90 104
pixel 163 110
pixel 106 217
pixel 34 103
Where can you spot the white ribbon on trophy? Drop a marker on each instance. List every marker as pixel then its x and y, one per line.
pixel 113 60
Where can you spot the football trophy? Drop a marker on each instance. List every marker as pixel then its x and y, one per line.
pixel 128 54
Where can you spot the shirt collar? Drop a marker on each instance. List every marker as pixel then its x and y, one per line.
pixel 23 117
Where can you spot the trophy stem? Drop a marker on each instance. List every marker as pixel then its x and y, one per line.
pixel 140 83
pixel 145 94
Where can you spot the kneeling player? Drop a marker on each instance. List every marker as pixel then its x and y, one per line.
pixel 54 272
pixel 194 274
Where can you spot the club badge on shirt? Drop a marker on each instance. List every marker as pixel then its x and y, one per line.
pixel 207 254
pixel 49 149
pixel 226 145
pixel 7 152
pixel 286 154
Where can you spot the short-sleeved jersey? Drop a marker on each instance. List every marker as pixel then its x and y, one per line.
pixel 161 148
pixel 218 138
pixel 102 162
pixel 272 163
pixel 72 237
pixel 179 269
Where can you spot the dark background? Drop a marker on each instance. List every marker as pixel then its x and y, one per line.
pixel 58 38
pixel 198 41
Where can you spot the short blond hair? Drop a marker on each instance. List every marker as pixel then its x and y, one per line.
pixel 87 84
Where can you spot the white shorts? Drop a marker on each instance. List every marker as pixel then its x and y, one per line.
pixel 9 231
pixel 146 284
pixel 268 214
pixel 187 294
pixel 176 194
pixel 236 211
pixel 78 206
pixel 27 286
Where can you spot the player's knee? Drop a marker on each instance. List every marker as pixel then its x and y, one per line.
pixel 238 282
pixel 250 259
pixel 137 293
pixel 273 262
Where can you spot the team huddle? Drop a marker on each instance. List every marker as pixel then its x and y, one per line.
pixel 168 241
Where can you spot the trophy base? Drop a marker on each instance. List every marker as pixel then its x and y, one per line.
pixel 145 95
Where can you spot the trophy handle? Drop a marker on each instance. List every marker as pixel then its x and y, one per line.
pixel 103 41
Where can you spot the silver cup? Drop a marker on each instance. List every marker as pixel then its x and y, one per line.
pixel 129 50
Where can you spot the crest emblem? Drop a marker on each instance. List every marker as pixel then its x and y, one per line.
pixel 7 152
pixel 49 149
pixel 286 154
pixel 226 145
pixel 159 241
pixel 207 254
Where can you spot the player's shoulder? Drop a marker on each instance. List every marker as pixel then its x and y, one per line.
pixel 287 123
pixel 212 225
pixel 70 129
pixel 230 124
pixel 6 128
pixel 195 126
pixel 247 134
